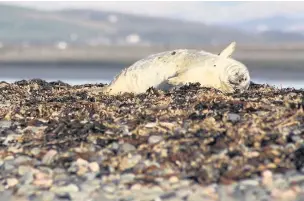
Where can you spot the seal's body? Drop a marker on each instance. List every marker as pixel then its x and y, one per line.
pixel 179 67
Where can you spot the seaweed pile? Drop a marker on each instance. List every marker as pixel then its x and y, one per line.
pixel 191 133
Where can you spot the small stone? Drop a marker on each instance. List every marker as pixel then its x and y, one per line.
pixel 115 145
pixel 234 117
pixel 5 124
pixel 73 168
pixel 194 196
pixel 125 148
pixel 8 166
pixel 22 159
pixel 27 178
pixel 89 176
pixel 109 188
pixel 11 182
pixel 94 167
pixel 296 179
pixel 250 182
pixel 43 180
pixel 127 178
pixel 9 158
pixel 11 139
pixel 136 187
pixel 49 157
pixel 90 186
pixel 129 162
pixel 14 149
pixel 79 196
pixel 150 125
pixel 183 193
pixel 82 162
pixel 158 199
pixel 283 194
pixel 267 179
pixel 1 163
pixel 47 196
pixel 173 179
pixel 154 139
pixel 35 151
pixel 23 169
pixel 64 189
pixel 26 190
pixel 125 130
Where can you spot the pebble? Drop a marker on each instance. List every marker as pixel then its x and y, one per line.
pixel 94 167
pixel 234 117
pixel 9 158
pixel 26 190
pixel 82 162
pixel 90 186
pixel 173 179
pixel 64 189
pixel 250 182
pixel 10 139
pixel 194 196
pixel 35 151
pixel 129 162
pixel 47 196
pixel 79 196
pixel 43 180
pixel 136 187
pixel 22 159
pixel 127 178
pixel 11 182
pixel 27 178
pixel 8 166
pixel 115 145
pixel 109 188
pixel 183 193
pixel 155 139
pixel 125 148
pixel 267 180
pixel 49 157
pixel 23 169
pixel 150 125
pixel 91 175
pixel 296 179
pixel 5 124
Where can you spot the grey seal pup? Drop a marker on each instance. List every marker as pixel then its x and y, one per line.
pixel 183 66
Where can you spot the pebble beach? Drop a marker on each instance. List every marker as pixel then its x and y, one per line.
pixel 62 142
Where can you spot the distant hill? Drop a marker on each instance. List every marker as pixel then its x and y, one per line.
pixel 99 27
pixel 277 24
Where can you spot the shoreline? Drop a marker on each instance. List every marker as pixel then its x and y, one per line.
pixel 129 54
pixel 191 143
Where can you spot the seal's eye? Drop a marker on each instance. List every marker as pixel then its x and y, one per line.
pixel 214 65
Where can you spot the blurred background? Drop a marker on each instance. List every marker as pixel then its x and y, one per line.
pixel 90 42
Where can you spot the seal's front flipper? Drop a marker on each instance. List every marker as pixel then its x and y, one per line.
pixel 180 78
pixel 192 74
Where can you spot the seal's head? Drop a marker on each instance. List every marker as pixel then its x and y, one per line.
pixel 234 75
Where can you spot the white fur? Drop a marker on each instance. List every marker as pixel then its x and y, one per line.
pixel 178 67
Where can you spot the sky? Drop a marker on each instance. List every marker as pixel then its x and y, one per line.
pixel 209 12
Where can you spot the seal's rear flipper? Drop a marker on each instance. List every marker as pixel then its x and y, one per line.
pixel 227 52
